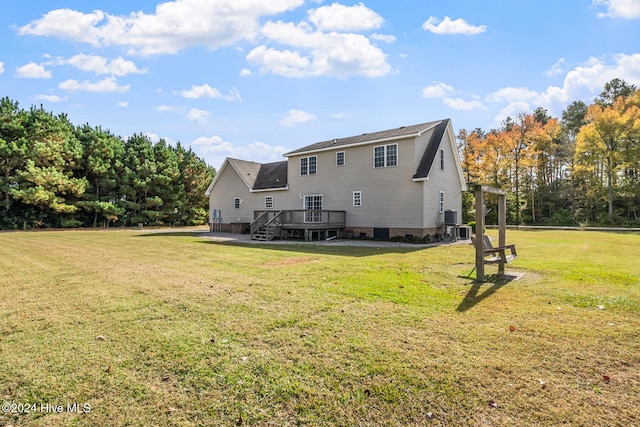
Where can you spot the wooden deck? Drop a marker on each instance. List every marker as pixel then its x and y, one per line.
pixel 297 223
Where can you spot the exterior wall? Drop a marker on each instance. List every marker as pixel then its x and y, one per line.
pixel 229 186
pixel 446 180
pixel 368 232
pixel 389 196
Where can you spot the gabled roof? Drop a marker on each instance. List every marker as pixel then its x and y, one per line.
pixel 432 149
pixel 365 138
pixel 248 171
pixel 257 176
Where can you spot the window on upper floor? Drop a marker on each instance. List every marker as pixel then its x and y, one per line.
pixel 442 202
pixel 385 156
pixel 268 202
pixel 442 159
pixel 236 203
pixel 309 165
pixel 340 158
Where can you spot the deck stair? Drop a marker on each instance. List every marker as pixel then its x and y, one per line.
pixel 266 226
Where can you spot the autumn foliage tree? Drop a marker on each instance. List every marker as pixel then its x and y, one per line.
pixel 584 168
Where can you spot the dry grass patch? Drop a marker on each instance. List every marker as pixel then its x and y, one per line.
pixel 172 329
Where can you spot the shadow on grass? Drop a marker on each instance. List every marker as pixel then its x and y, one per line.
pixel 325 249
pixel 196 233
pixel 473 297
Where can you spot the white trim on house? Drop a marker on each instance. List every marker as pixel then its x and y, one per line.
pixel 454 148
pixel 264 190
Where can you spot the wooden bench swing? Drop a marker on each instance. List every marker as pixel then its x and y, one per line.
pixel 486 253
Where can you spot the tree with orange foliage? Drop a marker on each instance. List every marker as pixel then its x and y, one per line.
pixel 599 143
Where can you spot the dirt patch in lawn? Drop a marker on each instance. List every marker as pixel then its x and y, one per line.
pixel 284 262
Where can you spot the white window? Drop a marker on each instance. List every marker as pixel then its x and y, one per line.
pixel 268 202
pixel 357 198
pixel 236 203
pixel 442 159
pixel 309 165
pixel 340 158
pixel 442 202
pixel 385 156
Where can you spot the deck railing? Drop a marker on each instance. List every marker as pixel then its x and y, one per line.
pixel 313 218
pixel 300 218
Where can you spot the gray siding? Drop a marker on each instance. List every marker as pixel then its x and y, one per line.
pixel 389 196
pixel 229 185
pixel 446 180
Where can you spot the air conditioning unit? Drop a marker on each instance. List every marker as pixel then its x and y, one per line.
pixel 465 232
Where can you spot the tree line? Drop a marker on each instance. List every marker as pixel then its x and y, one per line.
pixel 56 174
pixel 580 169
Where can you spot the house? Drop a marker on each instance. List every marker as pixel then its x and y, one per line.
pixel 384 184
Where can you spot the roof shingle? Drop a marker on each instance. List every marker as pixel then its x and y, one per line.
pixel 366 137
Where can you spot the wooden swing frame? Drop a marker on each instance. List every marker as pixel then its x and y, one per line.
pixel 479 242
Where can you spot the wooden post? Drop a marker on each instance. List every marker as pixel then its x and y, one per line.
pixel 502 227
pixel 479 234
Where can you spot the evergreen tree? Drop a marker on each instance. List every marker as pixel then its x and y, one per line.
pixel 101 165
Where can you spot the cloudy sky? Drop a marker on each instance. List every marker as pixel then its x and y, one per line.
pixel 253 79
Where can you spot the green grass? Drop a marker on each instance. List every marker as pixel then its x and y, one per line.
pixel 170 329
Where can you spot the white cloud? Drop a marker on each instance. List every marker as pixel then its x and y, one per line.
pixel 103 86
pixel 155 138
pixel 67 24
pixel 101 65
pixel 512 110
pixel 437 90
pixel 166 108
pixel 245 72
pixel 51 98
pixel 294 117
pixel 285 63
pixel 340 116
pixel 557 68
pixel 33 71
pixel 326 54
pixel 1 67
pixel 206 91
pixel 449 26
pixel 213 144
pixel 512 94
pixel 174 26
pixel 387 38
pixel 215 149
pixel 264 152
pixel 338 17
pixel 620 8
pixel 123 104
pixel 583 83
pixel 463 105
pixel 198 116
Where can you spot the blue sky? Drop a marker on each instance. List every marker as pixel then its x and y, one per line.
pixel 253 79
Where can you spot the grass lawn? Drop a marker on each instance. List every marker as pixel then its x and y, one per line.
pixel 171 329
